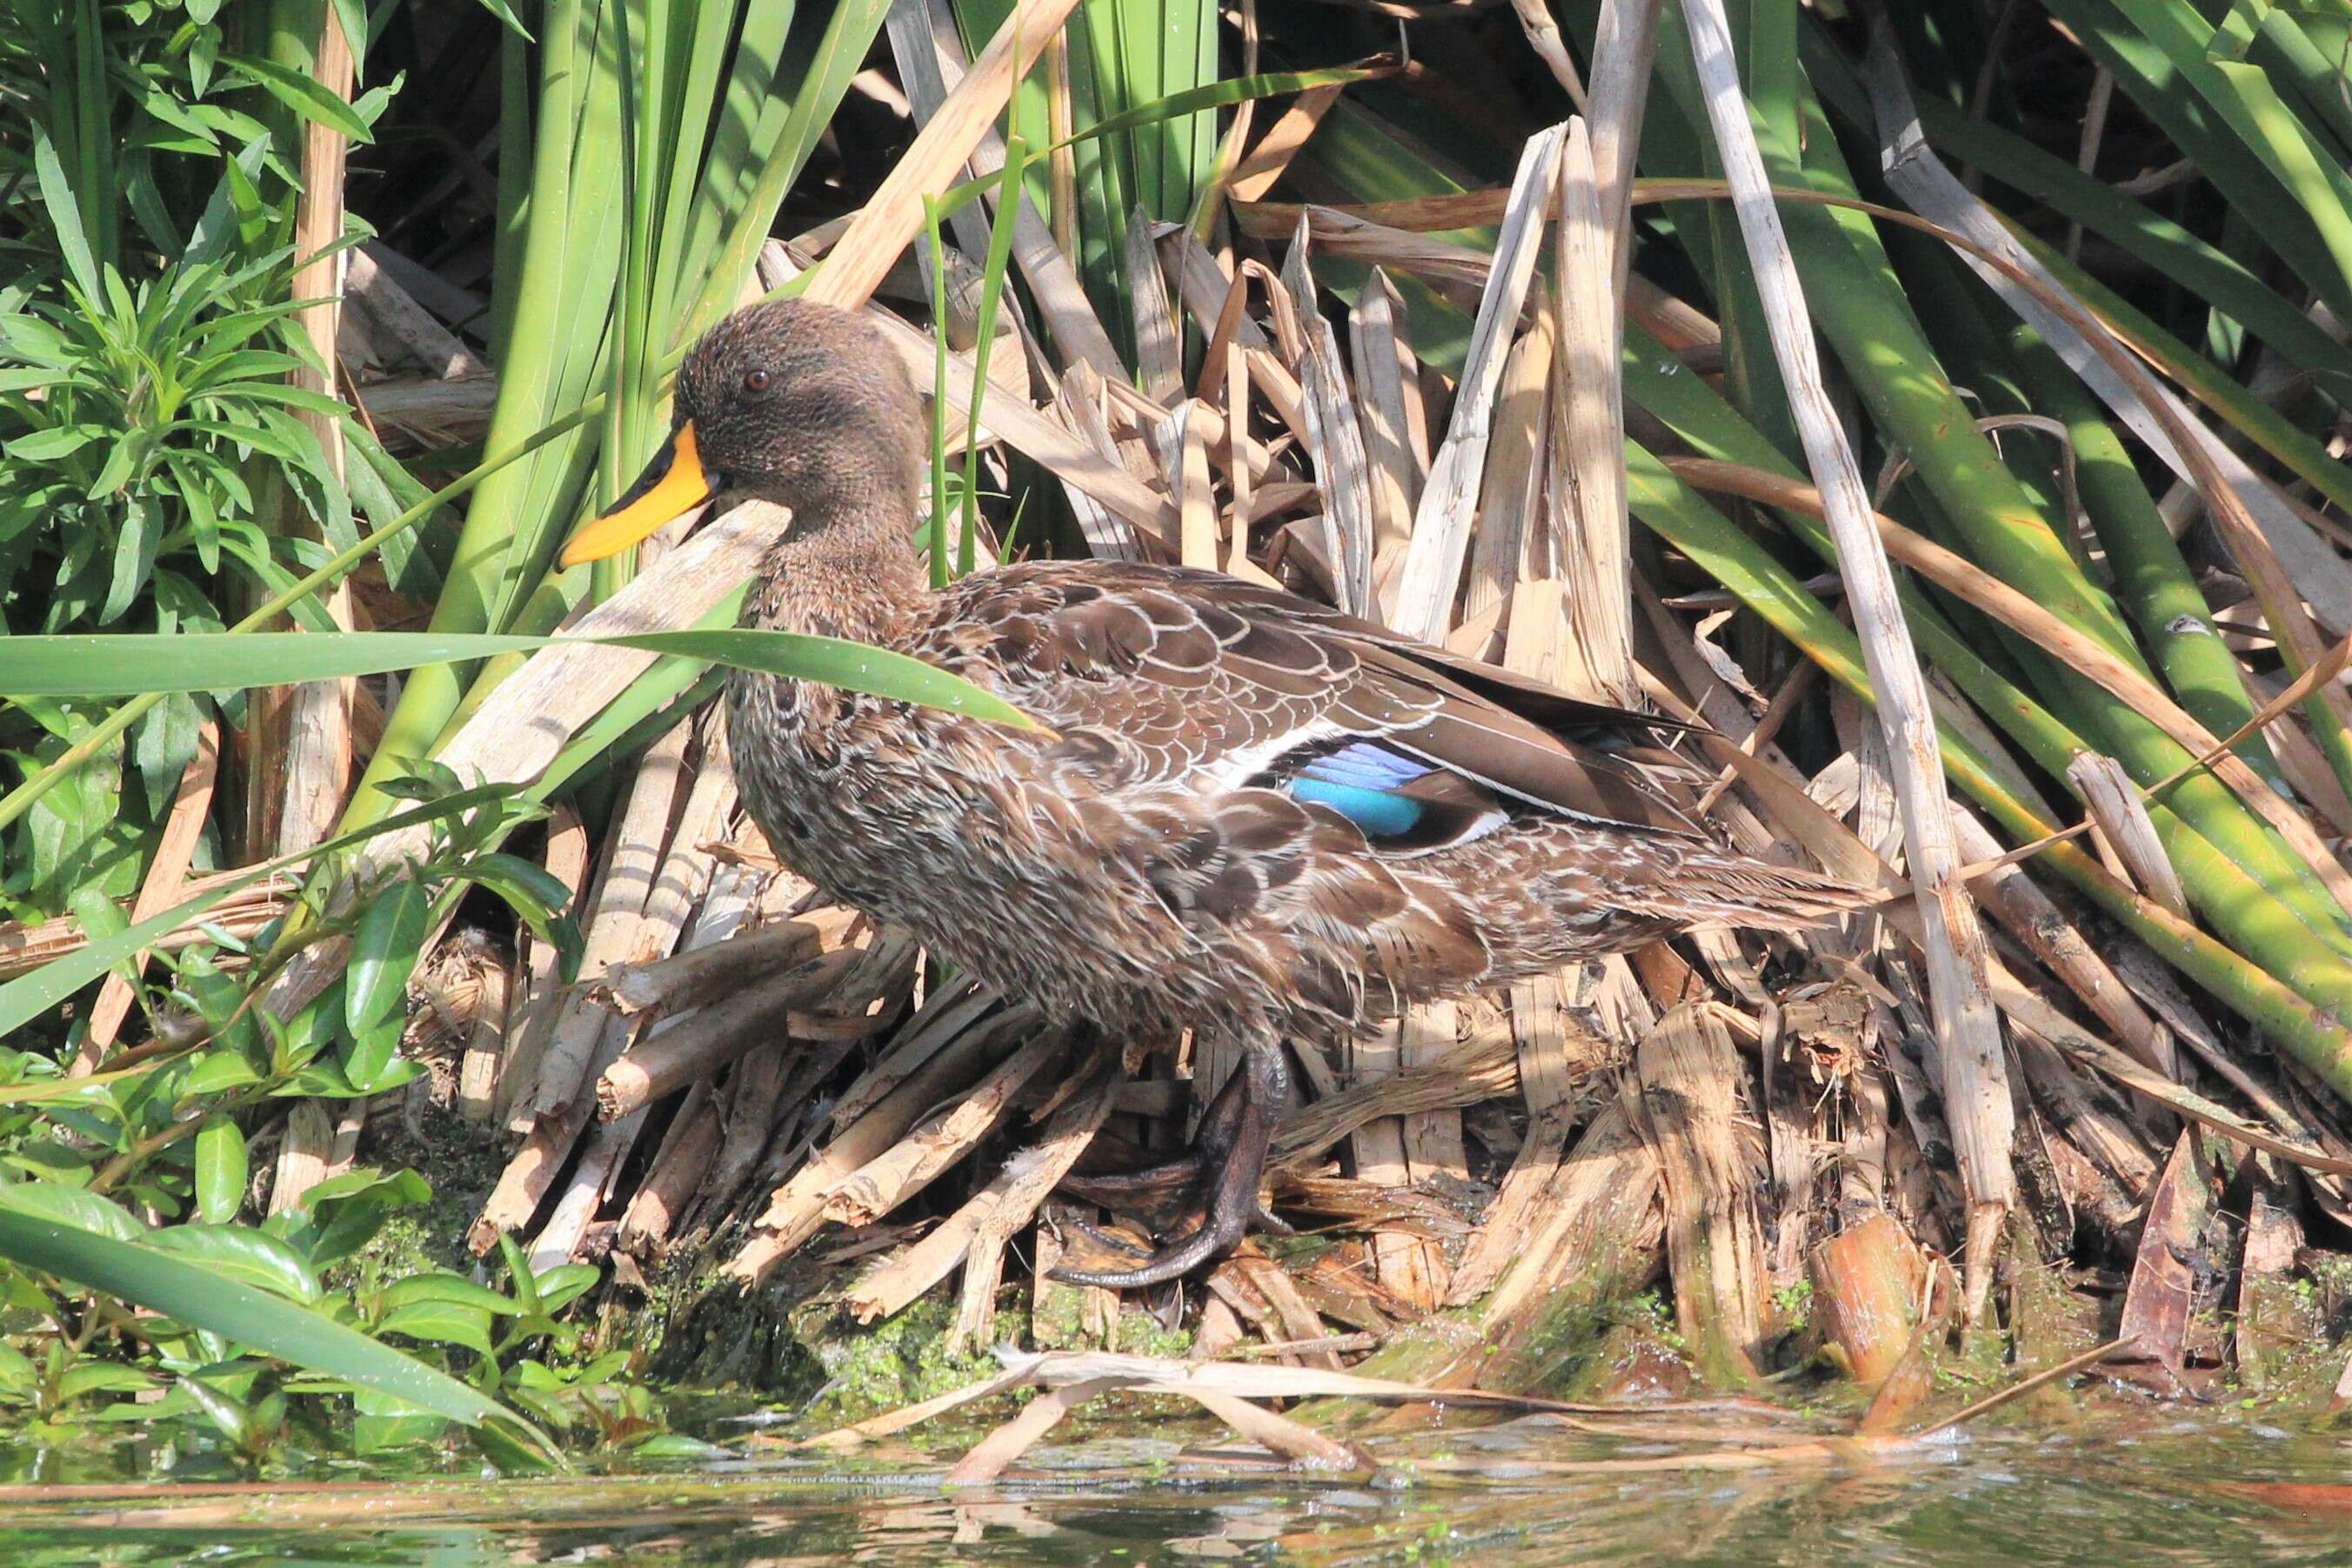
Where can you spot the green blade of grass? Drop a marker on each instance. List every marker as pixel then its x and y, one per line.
pixel 101 664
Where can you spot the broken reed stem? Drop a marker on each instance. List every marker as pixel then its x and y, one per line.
pixel 1976 1086
pixel 702 975
pixel 701 1042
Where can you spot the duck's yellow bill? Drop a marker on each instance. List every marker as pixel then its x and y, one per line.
pixel 673 483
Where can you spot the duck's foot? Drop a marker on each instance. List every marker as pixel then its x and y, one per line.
pixel 1230 1161
pixel 1220 1124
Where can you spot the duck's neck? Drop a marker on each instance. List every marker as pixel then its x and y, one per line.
pixel 849 573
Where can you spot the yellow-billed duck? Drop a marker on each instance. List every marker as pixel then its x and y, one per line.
pixel 1247 814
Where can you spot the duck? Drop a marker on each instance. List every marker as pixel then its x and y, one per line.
pixel 1240 813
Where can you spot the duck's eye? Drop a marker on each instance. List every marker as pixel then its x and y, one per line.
pixel 757 381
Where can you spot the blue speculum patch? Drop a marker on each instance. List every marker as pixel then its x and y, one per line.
pixel 1359 781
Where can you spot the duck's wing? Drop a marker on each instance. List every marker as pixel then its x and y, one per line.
pixel 1162 675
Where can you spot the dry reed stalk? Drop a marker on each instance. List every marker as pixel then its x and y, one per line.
pixel 1624 49
pixel 700 975
pixel 893 215
pixel 987 1459
pixel 306 730
pixel 1109 536
pixel 748 1116
pixel 2162 1294
pixel 164 884
pixel 1544 36
pixel 1288 1306
pixel 482 1050
pixel 1259 172
pixel 976 1234
pixel 301 745
pixel 2274 1235
pixel 316 1144
pixel 1588 466
pixel 594 1175
pixel 677 1172
pixel 531 1014
pixel 1052 278
pixel 2114 804
pixel 1512 540
pixel 1868 1282
pixel 1380 359
pixel 797 1209
pixel 1441 529
pixel 1689 1076
pixel 615 928
pixel 1159 340
pixel 1837 848
pixel 24 948
pixel 2029 915
pixel 1215 300
pixel 393 316
pixel 940 1139
pixel 708 1039
pixel 1402 1263
pixel 1968 1029
pixel 946 1016
pixel 1031 434
pixel 1597 1236
pixel 1480 1067
pixel 1335 441
pixel 1554 1052
pixel 2090 1118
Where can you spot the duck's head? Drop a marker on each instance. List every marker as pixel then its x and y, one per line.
pixel 793 402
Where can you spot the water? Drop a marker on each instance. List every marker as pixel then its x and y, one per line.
pixel 2145 1485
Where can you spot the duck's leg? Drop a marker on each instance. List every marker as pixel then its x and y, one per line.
pixel 1231 1181
pixel 1211 1144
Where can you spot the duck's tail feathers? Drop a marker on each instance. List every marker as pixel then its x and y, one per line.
pixel 1715 887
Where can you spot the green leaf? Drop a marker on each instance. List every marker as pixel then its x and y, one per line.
pixel 219 1071
pixel 71 1205
pixel 305 96
pixel 102 1377
pixel 441 1285
pixel 201 1298
pixel 238 1253
pixel 446 1322
pixel 383 951
pixel 65 211
pixel 222 1169
pixel 57 441
pixel 105 665
pixel 561 1285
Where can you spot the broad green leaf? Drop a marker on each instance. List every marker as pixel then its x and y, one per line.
pixel 383 951
pixel 201 1298
pixel 222 1169
pixel 71 1205
pixel 238 1253
pixel 444 1323
pixel 440 1286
